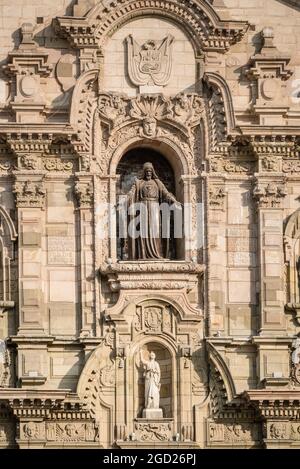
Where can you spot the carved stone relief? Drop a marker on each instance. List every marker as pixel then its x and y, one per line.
pixel 270 195
pixel 150 432
pixel 235 434
pixel 217 196
pixel 29 194
pixel 84 193
pixel 150 63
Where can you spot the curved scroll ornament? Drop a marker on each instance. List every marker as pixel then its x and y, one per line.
pixel 150 63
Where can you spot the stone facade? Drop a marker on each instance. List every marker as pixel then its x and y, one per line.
pixel 208 90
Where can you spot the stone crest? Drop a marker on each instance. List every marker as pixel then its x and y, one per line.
pixel 151 63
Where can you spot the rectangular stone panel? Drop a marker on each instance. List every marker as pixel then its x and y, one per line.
pixel 65 365
pixel 62 286
pixel 242 320
pixel 61 250
pixel 31 263
pixel 31 293
pixel 62 319
pixel 31 317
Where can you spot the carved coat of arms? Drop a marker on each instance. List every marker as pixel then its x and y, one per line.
pixel 151 63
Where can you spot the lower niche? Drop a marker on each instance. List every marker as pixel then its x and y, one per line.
pixel 163 357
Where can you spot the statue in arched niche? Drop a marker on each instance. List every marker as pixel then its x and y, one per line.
pixel 152 386
pixel 146 231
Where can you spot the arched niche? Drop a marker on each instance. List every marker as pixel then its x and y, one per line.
pixel 8 237
pixel 292 259
pixel 129 168
pixel 164 359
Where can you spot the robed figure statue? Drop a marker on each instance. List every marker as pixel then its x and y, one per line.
pixel 145 230
pixel 152 381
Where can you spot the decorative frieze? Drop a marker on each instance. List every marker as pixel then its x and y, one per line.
pixel 59 165
pixel 283 430
pixel 237 434
pixel 152 276
pixel 270 163
pixel 71 432
pixel 154 431
pixel 220 165
pixel 29 194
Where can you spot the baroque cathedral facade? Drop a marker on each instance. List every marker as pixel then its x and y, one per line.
pixel 207 93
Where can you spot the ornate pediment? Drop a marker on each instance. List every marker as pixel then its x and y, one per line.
pixel 207 31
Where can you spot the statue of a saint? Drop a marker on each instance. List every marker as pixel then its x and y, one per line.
pixel 145 196
pixel 152 382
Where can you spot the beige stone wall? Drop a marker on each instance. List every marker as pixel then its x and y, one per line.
pixel 80 317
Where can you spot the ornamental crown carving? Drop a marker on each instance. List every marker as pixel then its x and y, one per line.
pixel 84 194
pixel 182 110
pixel 29 194
pixel 270 195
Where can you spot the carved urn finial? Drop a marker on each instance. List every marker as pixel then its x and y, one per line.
pixel 268 47
pixel 27 41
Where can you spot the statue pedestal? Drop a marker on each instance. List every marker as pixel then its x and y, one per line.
pixel 152 414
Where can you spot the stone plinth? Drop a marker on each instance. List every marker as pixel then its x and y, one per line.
pixel 152 414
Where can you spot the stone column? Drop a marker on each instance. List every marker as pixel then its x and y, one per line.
pixel 216 254
pixel 192 219
pixel 269 197
pixel 84 192
pixel 185 397
pixel 273 353
pixel 30 197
